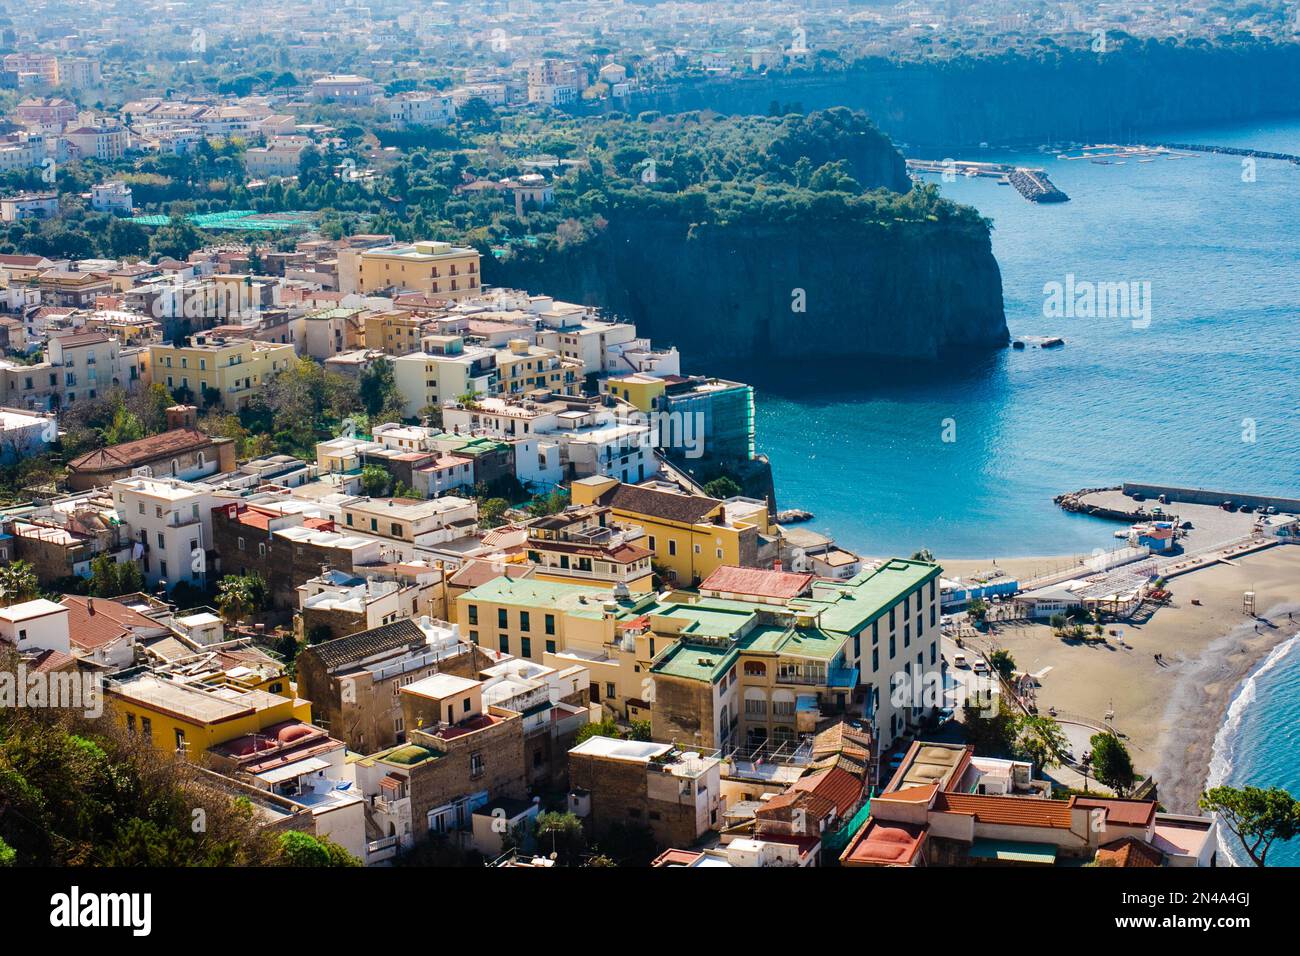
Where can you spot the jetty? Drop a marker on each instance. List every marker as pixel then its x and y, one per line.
pixel 1031 183
pixel 1232 151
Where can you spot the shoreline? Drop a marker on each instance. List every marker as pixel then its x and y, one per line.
pixel 1204 710
pixel 1170 710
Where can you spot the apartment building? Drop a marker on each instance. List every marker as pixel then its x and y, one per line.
pixel 434 268
pixel 411 524
pixel 171 527
pixel 348 89
pixel 280 157
pixel 338 603
pixel 421 109
pixel 443 371
pixel 354 681
pixel 217 369
pixel 584 545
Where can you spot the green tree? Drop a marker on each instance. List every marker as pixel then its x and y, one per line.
pixel 378 391
pixel 1111 763
pixel 640 730
pixel 990 726
pixel 110 578
pixel 1040 739
pixel 239 595
pixel 18 583
pixel 977 610
pixel 374 481
pixel 1257 817
pixel 491 512
pixel 561 834
pixel 124 427
pixel 1002 662
pixel 302 849
pixel 722 487
pixel 597 728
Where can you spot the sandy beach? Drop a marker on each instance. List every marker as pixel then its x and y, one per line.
pixel 1168 712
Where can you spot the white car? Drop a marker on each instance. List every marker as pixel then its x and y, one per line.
pixel 980 667
pixel 959 660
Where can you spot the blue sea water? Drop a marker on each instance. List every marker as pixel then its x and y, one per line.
pixel 1260 739
pixel 865 452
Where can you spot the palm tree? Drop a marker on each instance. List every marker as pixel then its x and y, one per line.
pixel 18 583
pixel 236 596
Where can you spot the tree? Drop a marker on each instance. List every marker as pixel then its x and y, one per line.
pixel 18 583
pixel 1040 740
pixel 1111 763
pixel 1002 662
pixel 640 730
pixel 124 427
pixel 993 734
pixel 302 849
pixel 491 512
pixel 378 391
pixel 562 834
pixel 110 578
pixel 1257 817
pixel 597 728
pixel 722 487
pixel 977 610
pixel 241 594
pixel 374 481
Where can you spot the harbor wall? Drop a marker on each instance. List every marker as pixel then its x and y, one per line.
pixel 1202 496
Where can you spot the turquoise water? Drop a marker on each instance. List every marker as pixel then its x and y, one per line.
pixel 1165 403
pixel 1260 739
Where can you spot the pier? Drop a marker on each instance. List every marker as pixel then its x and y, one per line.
pixel 1031 183
pixel 1233 151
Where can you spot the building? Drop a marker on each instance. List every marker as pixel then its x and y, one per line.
pixel 171 527
pixel 29 206
pixel 33 626
pixel 583 545
pixel 421 109
pixel 411 524
pixel 192 718
pixel 674 792
pixel 354 681
pixel 337 603
pixel 434 268
pixel 107 631
pixel 348 89
pixel 930 814
pixel 114 197
pixel 218 370
pixel 460 755
pixel 183 452
pixel 280 157
pixel 691 536
pixel 24 433
pixel 444 370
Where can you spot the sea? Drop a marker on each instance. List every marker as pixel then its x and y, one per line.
pixel 1205 394
pixel 965 458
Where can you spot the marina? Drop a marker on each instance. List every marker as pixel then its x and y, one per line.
pixel 1031 183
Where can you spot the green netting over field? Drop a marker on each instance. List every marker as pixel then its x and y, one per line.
pixel 243 220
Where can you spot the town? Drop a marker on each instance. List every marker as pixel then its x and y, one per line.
pixel 339 513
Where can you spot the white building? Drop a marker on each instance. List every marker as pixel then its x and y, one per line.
pixel 24 433
pixel 114 197
pixel 38 625
pixel 421 109
pixel 171 526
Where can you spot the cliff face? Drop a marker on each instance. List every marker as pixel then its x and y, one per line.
pixel 914 290
pixel 1060 97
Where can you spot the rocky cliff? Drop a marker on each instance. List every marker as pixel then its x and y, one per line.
pixel 1053 96
pixel 796 290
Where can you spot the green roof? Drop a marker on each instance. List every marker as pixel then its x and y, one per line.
pixel 536 593
pixel 849 606
pixel 409 754
pixel 709 617
pixel 700 662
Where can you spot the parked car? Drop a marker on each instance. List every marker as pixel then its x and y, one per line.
pixel 959 660
pixel 980 667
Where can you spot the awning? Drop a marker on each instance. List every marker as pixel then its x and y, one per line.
pixel 291 770
pixel 1010 851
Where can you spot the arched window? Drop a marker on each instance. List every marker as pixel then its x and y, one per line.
pixel 755 669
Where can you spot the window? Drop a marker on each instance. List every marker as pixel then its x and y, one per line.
pixel 653 546
pixel 130 724
pixel 610 689
pixel 476 765
pixel 473 613
pixel 146 728
pixel 524 621
pixel 503 642
pixel 526 646
pixel 502 620
pixel 473 637
pixel 875 659
pixel 550 625
pixel 892 647
pixel 180 740
pixel 550 647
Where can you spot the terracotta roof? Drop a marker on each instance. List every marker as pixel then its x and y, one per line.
pixel 759 582
pixel 476 573
pixel 837 785
pixel 141 451
pixel 1129 813
pixel 1129 852
pixel 49 661
pixel 885 843
pixel 73 339
pixel 28 261
pixel 96 622
pixel 1010 811
pixel 687 509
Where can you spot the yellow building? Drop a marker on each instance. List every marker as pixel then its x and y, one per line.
pixel 234 368
pixel 395 332
pixel 190 718
pixel 522 368
pixel 690 535
pixel 435 268
pixel 641 391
